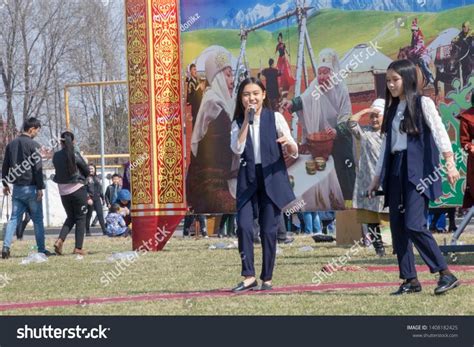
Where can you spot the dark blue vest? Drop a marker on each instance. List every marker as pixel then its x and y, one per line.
pixel 422 158
pixel 277 184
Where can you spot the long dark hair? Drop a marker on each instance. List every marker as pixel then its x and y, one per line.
pixel 239 111
pixel 67 139
pixel 95 169
pixel 407 70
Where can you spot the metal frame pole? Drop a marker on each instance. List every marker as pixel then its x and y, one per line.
pixel 102 145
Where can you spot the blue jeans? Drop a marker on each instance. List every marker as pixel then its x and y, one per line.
pixel 328 217
pixel 312 222
pixel 24 197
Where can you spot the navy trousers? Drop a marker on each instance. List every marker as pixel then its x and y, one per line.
pixel 408 221
pixel 268 219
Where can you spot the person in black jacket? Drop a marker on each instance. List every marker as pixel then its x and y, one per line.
pixel 94 189
pixel 22 167
pixel 71 173
pixel 112 191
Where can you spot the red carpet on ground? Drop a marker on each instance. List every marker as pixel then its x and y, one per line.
pixel 295 289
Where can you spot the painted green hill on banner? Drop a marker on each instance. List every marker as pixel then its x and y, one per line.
pixel 340 30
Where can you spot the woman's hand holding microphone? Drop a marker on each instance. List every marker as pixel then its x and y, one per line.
pixel 374 185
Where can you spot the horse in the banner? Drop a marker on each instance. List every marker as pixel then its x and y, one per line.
pixel 405 53
pixel 453 61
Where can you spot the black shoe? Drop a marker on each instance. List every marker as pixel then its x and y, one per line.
pixel 241 287
pixel 407 288
pixel 88 233
pixel 257 241
pixel 445 283
pixel 322 238
pixel 286 241
pixel 5 253
pixel 48 253
pixel 380 251
pixel 264 286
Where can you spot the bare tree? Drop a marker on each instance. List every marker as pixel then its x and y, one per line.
pixel 45 44
pixel 9 19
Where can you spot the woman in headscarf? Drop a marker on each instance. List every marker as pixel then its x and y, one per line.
pixel 325 105
pixel 369 211
pixel 208 189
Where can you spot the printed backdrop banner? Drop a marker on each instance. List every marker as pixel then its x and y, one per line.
pixel 347 49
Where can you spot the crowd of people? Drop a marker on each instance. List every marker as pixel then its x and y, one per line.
pixel 79 188
pixel 402 142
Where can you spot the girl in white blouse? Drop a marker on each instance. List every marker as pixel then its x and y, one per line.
pixel 408 172
pixel 263 187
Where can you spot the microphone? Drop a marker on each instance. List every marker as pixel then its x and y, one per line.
pixel 376 193
pixel 251 115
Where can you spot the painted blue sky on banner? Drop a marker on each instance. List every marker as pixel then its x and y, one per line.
pixel 231 14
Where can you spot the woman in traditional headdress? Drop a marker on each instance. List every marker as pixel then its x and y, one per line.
pixel 210 170
pixel 325 106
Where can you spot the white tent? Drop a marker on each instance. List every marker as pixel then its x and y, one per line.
pixel 366 67
pixel 443 39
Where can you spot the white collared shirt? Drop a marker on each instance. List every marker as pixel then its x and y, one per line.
pixel 282 130
pixel 399 139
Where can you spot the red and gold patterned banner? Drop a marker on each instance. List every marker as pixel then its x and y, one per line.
pixel 156 130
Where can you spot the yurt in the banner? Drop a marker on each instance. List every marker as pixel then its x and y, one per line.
pixel 367 67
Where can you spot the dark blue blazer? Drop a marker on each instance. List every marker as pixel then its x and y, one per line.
pixel 277 184
pixel 422 158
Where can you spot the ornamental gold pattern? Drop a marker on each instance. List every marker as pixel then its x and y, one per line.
pixel 139 100
pixel 167 97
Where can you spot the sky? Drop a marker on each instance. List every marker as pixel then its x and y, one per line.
pixel 219 8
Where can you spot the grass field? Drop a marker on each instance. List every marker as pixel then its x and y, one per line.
pixel 337 29
pixel 188 265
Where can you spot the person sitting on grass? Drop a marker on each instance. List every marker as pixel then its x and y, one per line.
pixel 116 225
pixel 124 201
